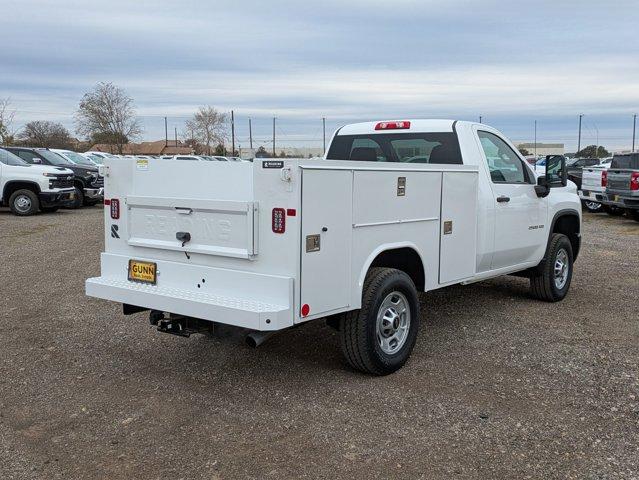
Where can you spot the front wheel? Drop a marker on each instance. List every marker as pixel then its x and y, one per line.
pixel 24 202
pixel 379 338
pixel 553 282
pixel 612 210
pixel 78 200
pixel 592 207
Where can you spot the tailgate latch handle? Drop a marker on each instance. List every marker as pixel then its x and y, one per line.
pixel 183 237
pixel 184 210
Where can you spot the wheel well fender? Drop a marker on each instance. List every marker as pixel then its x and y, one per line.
pixel 402 256
pixel 12 186
pixel 568 223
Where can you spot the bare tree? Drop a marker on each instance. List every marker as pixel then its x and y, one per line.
pixel 208 126
pixel 6 119
pixel 107 115
pixel 43 133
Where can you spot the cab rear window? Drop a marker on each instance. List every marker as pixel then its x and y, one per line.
pixel 437 148
pixel 626 161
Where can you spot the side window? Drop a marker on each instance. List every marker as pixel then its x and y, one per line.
pixel 27 156
pixel 504 164
pixel 366 149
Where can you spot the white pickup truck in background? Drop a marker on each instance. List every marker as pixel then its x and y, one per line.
pixel 394 208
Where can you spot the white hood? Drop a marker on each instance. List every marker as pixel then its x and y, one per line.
pixel 49 169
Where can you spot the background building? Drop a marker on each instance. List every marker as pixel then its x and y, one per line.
pixel 541 149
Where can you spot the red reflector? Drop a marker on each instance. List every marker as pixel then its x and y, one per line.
pixel 392 125
pixel 278 220
pixel 107 201
pixel 604 178
pixel 291 212
pixel 115 208
pixel 305 310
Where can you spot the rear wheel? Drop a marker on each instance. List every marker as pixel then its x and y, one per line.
pixel 634 214
pixel 24 202
pixel 592 207
pixel 612 210
pixel 379 338
pixel 553 282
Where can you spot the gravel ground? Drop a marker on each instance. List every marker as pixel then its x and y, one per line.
pixel 498 386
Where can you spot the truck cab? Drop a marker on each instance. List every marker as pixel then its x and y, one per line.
pixel 394 208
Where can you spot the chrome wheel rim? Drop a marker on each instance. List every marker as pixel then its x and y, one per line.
pixel 593 205
pixel 562 268
pixel 22 203
pixel 393 323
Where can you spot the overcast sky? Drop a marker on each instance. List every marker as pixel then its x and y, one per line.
pixel 351 60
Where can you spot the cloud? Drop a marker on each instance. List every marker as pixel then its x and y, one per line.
pixel 512 62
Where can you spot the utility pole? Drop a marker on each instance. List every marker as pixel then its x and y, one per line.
pixel 176 144
pixel 579 140
pixel 480 119
pixel 250 135
pixel 273 137
pixel 535 138
pixel 324 131
pixel 232 134
pixel 634 131
pixel 166 133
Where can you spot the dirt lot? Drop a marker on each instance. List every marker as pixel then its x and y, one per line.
pixel 499 385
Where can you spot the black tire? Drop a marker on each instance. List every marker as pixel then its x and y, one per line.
pixel 49 209
pixel 358 329
pixel 543 285
pixel 612 210
pixel 634 214
pixel 79 199
pixel 24 203
pixel 592 207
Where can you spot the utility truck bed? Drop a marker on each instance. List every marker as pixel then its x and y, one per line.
pixel 268 245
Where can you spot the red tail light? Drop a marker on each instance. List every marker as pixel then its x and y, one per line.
pixel 634 181
pixel 115 208
pixel 278 220
pixel 604 178
pixel 392 125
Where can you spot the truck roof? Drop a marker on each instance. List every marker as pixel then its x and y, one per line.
pixel 416 126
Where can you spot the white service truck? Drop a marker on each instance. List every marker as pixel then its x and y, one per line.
pixel 394 208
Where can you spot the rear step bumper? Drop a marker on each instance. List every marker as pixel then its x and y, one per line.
pixel 209 303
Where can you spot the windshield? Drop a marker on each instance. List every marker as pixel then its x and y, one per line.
pixel 54 158
pixel 9 158
pixel 96 159
pixel 77 158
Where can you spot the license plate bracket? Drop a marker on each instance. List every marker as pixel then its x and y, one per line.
pixel 142 272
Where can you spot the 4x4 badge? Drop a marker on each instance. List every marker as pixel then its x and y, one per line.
pixel 114 231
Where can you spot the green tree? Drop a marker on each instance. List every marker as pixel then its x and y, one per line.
pixel 593 151
pixel 107 113
pixel 523 151
pixel 43 133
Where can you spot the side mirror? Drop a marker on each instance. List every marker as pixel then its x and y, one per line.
pixel 556 174
pixel 542 189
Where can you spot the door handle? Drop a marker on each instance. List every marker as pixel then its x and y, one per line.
pixel 503 199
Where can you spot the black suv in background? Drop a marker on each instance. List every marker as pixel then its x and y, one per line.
pixel 88 184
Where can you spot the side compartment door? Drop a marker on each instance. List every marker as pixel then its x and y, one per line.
pixel 520 216
pixel 326 240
